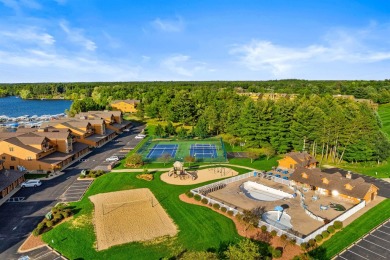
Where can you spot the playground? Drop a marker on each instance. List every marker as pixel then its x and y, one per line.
pixel 209 150
pixel 180 176
pixel 128 216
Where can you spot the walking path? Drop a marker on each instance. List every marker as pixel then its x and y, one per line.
pixel 202 166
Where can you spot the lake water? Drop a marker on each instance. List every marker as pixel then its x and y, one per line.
pixel 14 107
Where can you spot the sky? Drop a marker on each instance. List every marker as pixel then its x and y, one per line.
pixel 132 40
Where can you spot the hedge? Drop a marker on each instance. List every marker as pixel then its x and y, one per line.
pixel 197 197
pixel 318 238
pixel 205 201
pixel 216 206
pixel 338 224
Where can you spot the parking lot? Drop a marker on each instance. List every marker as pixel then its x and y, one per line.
pixel 43 253
pixel 375 245
pixel 76 191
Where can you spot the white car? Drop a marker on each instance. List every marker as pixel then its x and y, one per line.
pixel 139 137
pixel 31 183
pixel 112 159
pixel 126 130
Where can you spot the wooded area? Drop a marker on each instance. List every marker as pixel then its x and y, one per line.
pixel 336 129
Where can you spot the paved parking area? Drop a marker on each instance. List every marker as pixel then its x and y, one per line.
pixel 375 245
pixel 76 191
pixel 43 253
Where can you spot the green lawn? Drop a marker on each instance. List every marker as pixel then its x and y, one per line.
pixel 384 113
pixel 260 164
pixel 200 228
pixel 353 231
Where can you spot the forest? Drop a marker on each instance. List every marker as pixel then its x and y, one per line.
pixel 332 128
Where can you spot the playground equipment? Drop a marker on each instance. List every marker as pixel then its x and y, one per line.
pixel 179 171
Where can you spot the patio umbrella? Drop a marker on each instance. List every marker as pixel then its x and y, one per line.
pixel 279 209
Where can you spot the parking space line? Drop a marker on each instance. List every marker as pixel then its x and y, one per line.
pixel 383 232
pixel 376 244
pixel 357 254
pixel 380 238
pixel 343 257
pixel 371 251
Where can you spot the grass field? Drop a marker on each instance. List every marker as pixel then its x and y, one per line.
pixel 199 228
pixel 353 231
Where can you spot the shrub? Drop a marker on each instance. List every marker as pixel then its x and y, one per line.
pixel 223 209
pixel 190 194
pixel 65 214
pixel 318 238
pixel 325 234
pixel 276 253
pixel 292 241
pixel 283 237
pixel 197 197
pixel 82 176
pixel 239 216
pixel 36 232
pixel 57 216
pixel 304 246
pixel 230 213
pixel 273 233
pixel 216 206
pixel 312 242
pixel 263 228
pixel 338 224
pixel 49 223
pixel 205 201
pixel 330 229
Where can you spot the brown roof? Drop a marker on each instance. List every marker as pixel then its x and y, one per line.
pixel 315 177
pixel 7 177
pixel 58 157
pixel 302 158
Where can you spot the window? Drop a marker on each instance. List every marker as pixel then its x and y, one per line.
pixel 13 158
pixel 12 167
pixel 3 157
pixel 29 158
pixel 11 149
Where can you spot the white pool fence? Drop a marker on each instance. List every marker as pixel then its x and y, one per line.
pixel 299 240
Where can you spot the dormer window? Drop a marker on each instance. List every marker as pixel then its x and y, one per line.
pixel 325 181
pixel 348 186
pixel 304 175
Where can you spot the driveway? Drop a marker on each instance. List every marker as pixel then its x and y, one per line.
pixel 384 186
pixel 20 217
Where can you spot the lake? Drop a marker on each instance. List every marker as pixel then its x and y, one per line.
pixel 14 106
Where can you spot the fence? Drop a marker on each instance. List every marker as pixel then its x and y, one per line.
pixel 299 240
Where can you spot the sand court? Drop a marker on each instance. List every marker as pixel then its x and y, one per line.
pixel 128 216
pixel 202 176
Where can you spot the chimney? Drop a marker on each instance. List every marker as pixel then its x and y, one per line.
pixel 348 175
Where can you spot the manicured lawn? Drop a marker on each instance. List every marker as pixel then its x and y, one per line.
pixel 384 114
pixel 200 228
pixel 353 231
pixel 260 164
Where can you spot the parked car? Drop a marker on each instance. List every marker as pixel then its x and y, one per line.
pixel 143 135
pixel 120 156
pixel 140 136
pixel 126 130
pixel 31 183
pixel 112 159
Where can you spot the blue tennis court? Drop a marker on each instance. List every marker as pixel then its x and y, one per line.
pixel 200 151
pixel 159 149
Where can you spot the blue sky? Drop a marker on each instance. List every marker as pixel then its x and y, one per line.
pixel 88 40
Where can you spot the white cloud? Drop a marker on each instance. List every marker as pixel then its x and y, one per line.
pixel 176 25
pixel 29 35
pixel 340 46
pixel 182 65
pixel 34 65
pixel 76 35
pixel 18 5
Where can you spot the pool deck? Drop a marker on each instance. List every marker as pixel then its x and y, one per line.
pixel 301 222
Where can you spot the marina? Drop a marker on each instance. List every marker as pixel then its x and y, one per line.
pixel 27 121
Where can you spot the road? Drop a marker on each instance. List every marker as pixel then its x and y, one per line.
pixel 18 219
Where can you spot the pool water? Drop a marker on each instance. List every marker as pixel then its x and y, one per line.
pixel 261 192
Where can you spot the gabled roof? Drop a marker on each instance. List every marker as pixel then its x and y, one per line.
pixel 336 182
pixel 302 158
pixel 7 177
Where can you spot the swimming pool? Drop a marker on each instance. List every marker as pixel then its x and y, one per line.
pixel 271 217
pixel 261 192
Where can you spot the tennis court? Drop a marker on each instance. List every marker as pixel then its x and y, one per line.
pixel 201 151
pixel 159 149
pixel 208 150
